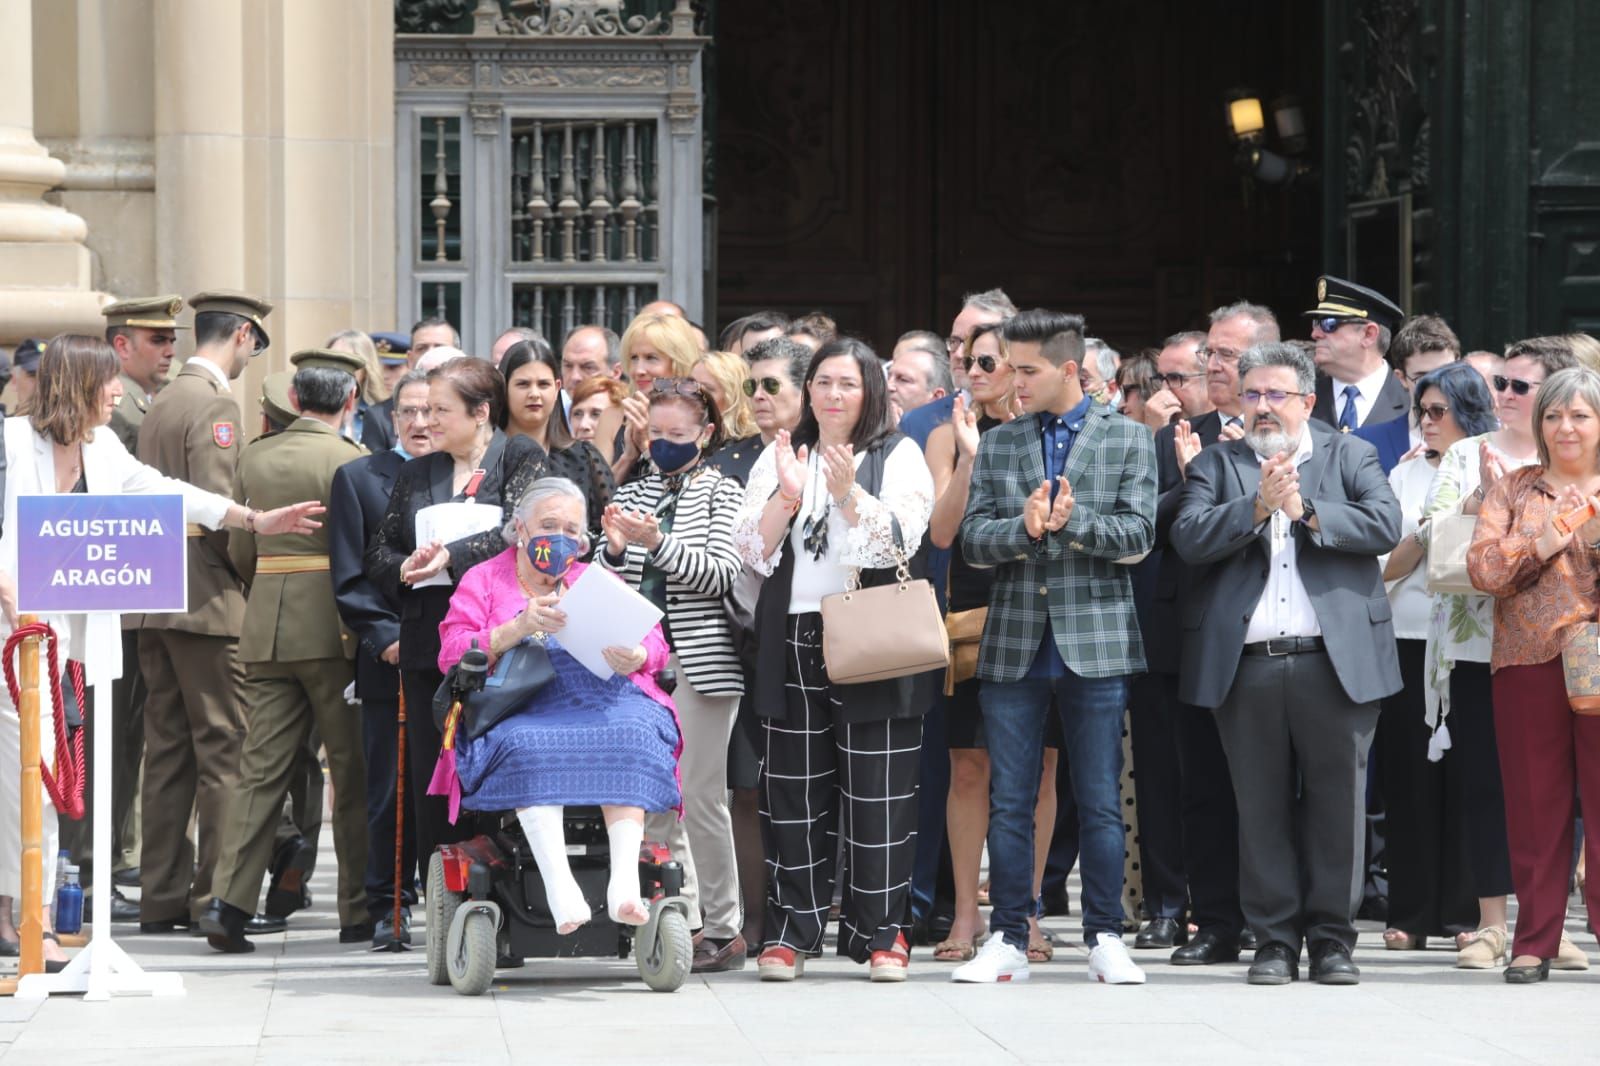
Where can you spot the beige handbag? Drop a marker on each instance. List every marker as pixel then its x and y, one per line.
pixel 965 629
pixel 883 632
pixel 1449 537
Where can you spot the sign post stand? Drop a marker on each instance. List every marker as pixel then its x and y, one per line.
pixel 100 556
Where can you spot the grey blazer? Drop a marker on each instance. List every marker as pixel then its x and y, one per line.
pixel 1359 520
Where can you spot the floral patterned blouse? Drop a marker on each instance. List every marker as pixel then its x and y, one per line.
pixel 1461 627
pixel 1539 604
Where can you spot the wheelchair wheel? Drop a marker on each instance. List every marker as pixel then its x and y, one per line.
pixel 442 904
pixel 664 963
pixel 472 968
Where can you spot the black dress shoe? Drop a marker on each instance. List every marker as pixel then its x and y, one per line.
pixel 1206 948
pixel 385 937
pixel 286 892
pixel 1331 965
pixel 1056 903
pixel 1275 965
pixel 1247 939
pixel 224 926
pixel 1528 975
pixel 128 878
pixel 265 925
pixel 1162 933
pixel 166 926
pixel 360 933
pixel 123 909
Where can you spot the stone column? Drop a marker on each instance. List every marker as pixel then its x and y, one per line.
pixel 44 266
pixel 274 148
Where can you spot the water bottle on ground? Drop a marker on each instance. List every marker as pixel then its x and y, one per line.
pixel 69 903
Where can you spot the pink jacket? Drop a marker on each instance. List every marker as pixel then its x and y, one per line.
pixel 489 595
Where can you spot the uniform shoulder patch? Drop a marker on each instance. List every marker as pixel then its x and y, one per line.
pixel 222 433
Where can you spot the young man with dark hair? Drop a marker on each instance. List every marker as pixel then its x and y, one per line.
pixel 1059 496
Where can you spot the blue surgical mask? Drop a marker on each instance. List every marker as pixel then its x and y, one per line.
pixel 671 456
pixel 553 553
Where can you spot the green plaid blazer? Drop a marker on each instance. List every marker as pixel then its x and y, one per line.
pixel 1071 576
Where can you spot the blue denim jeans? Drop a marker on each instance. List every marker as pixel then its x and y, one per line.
pixel 1014 716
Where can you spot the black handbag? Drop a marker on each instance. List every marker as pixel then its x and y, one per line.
pixel 519 674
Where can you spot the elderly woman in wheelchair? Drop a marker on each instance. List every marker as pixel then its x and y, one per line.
pixel 564 737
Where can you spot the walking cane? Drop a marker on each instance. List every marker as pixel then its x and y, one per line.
pixel 399 822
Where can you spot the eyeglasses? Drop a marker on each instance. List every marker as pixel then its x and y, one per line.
pixel 1172 381
pixel 770 386
pixel 952 343
pixel 1329 323
pixel 986 363
pixel 1222 355
pixel 1435 411
pixel 1273 396
pixel 411 414
pixel 1516 385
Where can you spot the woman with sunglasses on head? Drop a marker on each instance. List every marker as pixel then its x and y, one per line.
pixel 534 410
pixel 669 534
pixel 653 346
pixel 1460 640
pixel 1429 875
pixel 838 758
pixel 950 451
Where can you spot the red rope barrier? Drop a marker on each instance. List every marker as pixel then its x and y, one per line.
pixel 66 792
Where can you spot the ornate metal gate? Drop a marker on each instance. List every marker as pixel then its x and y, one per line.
pixel 550 168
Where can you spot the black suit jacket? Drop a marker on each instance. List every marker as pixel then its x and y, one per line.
pixel 510 465
pixel 377 426
pixel 1393 402
pixel 1162 634
pixel 356 505
pixel 1358 518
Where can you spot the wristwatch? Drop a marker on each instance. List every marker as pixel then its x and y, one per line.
pixel 1308 511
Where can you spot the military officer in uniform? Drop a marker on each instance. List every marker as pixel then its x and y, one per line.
pixel 298 660
pixel 142 331
pixel 294 849
pixel 194 721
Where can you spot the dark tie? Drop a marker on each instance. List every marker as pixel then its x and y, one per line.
pixel 1347 416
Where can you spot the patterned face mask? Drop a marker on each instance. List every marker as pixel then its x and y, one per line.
pixel 554 553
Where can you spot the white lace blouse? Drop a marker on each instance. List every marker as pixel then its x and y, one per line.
pixel 907 494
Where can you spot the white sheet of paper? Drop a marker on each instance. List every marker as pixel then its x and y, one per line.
pixel 447 522
pixel 602 612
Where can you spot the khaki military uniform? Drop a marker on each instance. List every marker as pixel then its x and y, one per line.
pixel 298 661
pixel 194 722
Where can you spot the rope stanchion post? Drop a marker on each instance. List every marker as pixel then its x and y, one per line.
pixel 30 933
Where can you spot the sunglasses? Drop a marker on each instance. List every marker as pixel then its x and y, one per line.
pixel 1329 323
pixel 1435 411
pixel 986 363
pixel 1516 385
pixel 771 386
pixel 678 386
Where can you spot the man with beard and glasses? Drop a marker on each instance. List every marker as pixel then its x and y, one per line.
pixel 1288 638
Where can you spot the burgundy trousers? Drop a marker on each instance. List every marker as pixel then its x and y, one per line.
pixel 1547 753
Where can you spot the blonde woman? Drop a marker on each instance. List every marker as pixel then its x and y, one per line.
pixel 724 374
pixel 653 346
pixel 373 424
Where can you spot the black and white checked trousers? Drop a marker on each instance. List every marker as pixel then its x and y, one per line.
pixel 820 777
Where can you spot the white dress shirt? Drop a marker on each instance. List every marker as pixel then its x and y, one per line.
pixel 215 371
pixel 1284 609
pixel 1366 396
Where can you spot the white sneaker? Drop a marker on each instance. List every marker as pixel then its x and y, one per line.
pixel 1110 963
pixel 995 961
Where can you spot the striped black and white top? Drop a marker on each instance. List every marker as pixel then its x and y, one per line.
pixel 700 564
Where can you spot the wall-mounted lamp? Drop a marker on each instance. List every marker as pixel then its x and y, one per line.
pixel 1245 121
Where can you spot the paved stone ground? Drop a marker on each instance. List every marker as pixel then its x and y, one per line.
pixel 304 1000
